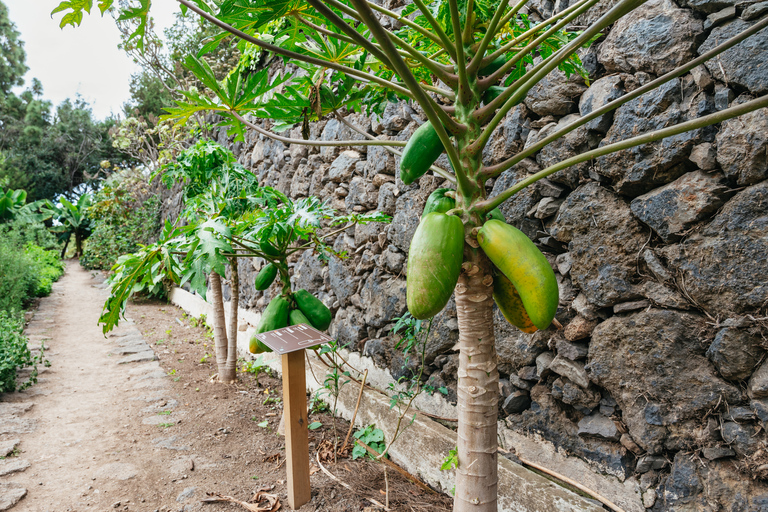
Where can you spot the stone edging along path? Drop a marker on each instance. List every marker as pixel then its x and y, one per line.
pixel 64 438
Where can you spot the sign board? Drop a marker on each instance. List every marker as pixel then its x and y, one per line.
pixel 293 338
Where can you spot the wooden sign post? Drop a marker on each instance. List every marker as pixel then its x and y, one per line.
pixel 296 432
pixel 290 342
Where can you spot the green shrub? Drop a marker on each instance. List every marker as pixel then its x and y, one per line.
pixel 49 268
pixel 26 269
pixel 125 216
pixel 15 353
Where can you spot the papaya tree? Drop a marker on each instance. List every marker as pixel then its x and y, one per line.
pixel 465 64
pixel 228 216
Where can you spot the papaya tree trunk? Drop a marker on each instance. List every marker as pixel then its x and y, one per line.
pixel 478 388
pixel 219 327
pixel 230 368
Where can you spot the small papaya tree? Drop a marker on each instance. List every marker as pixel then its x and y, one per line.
pixel 228 216
pixel 466 64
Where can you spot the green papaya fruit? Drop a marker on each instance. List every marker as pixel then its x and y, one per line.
pixel 493 66
pixel 495 214
pixel 511 306
pixel 423 148
pixel 437 202
pixel 518 258
pixel 434 263
pixel 265 277
pixel 296 317
pixel 317 313
pixel 275 316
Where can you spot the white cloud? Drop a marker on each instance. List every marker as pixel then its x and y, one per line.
pixel 82 60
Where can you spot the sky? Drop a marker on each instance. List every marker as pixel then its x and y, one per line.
pixel 82 60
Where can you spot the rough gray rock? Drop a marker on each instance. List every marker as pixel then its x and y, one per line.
pixel 735 353
pixel 724 265
pixel 673 209
pixel 597 425
pixel 573 370
pixel 509 137
pixel 754 11
pixel 517 402
pixel 547 418
pixel 603 239
pixel 383 297
pixel 742 147
pixel 584 400
pixel 516 349
pixel 555 94
pixel 657 37
pixel 717 452
pixel 573 351
pixel 348 327
pixel 343 166
pixel 653 365
pixel 744 64
pixel 406 220
pixel 516 207
pixel 745 439
pixel 572 144
pixel 13 465
pixel 10 495
pixel 758 384
pixel 7 447
pixel 600 93
pixel 578 329
pixel 638 170
pixel 139 357
pixel 362 193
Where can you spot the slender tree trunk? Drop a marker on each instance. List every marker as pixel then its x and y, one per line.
pixel 219 327
pixel 78 245
pixel 64 250
pixel 478 389
pixel 230 368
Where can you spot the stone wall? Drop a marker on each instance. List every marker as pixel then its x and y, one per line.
pixel 660 252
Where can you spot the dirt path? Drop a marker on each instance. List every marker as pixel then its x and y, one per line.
pixel 109 427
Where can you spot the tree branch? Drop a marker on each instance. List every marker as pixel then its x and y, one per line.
pixel 583 6
pixel 444 39
pixel 693 124
pixel 514 95
pixel 435 169
pixel 433 112
pixel 495 170
pixel 293 55
pixel 287 140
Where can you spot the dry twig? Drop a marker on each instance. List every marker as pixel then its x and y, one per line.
pixel 261 501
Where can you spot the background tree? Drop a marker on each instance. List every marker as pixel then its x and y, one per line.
pixel 12 55
pixel 465 65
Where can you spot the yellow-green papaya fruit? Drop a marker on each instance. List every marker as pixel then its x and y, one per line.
pixel 434 263
pixel 518 258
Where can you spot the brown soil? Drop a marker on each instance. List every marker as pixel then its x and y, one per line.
pixel 127 437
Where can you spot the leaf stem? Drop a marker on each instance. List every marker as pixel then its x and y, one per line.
pixel 287 140
pixel 495 170
pixel 293 55
pixel 693 124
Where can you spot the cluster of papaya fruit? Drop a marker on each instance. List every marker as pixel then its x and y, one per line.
pixel 299 307
pixel 524 284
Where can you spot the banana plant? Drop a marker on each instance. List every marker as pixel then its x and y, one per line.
pixel 70 219
pixel 466 64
